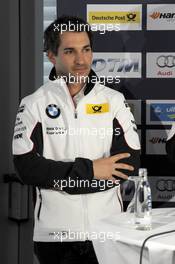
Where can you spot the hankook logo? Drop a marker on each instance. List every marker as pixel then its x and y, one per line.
pixel 159 15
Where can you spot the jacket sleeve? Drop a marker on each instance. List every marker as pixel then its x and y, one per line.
pixel 170 144
pixel 32 167
pixel 125 136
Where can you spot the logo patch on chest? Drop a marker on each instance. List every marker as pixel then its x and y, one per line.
pixel 52 111
pixel 97 108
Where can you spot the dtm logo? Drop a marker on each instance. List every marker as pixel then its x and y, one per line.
pixel 162 112
pixel 165 185
pixel 116 65
pixel 52 111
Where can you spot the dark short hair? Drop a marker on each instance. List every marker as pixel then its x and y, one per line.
pixel 68 23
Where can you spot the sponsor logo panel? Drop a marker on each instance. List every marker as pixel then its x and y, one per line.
pixel 56 130
pixel 124 65
pixel 53 111
pixel 160 65
pixel 160 112
pixel 155 141
pixel 97 108
pixel 161 17
pixel 111 17
pixel 162 189
pixel 128 17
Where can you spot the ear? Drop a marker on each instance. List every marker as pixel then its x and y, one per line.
pixel 51 57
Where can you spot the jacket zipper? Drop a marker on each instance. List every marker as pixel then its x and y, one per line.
pixel 72 103
pixel 75 114
pixel 39 209
pixel 83 197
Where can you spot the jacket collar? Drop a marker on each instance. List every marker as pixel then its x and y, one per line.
pixel 89 85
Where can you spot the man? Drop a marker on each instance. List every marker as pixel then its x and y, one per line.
pixel 59 147
pixel 170 144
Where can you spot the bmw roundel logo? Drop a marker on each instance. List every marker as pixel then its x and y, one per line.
pixel 52 111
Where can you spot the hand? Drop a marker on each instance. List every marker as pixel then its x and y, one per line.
pixel 105 168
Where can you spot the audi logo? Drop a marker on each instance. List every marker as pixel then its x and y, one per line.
pixel 166 61
pixel 165 185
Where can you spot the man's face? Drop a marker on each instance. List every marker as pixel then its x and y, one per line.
pixel 74 55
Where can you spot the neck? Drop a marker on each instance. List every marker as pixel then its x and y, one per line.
pixel 75 88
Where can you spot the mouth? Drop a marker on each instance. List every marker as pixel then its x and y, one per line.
pixel 81 70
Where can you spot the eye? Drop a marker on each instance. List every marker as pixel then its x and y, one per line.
pixel 87 49
pixel 68 51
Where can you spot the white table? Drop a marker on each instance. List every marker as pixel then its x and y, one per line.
pixel 125 247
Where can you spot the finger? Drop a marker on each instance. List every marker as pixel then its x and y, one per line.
pixel 123 166
pixel 120 174
pixel 120 156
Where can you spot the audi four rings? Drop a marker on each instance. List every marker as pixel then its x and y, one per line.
pixel 166 61
pixel 165 185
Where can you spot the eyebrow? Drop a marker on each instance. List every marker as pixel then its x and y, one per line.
pixel 71 48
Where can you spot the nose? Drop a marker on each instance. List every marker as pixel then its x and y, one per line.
pixel 79 58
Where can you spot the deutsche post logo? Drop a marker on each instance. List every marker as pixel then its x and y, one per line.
pixel 97 108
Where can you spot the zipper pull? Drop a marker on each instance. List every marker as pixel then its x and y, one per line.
pixel 75 114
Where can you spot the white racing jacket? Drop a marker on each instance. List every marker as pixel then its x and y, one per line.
pixel 54 144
